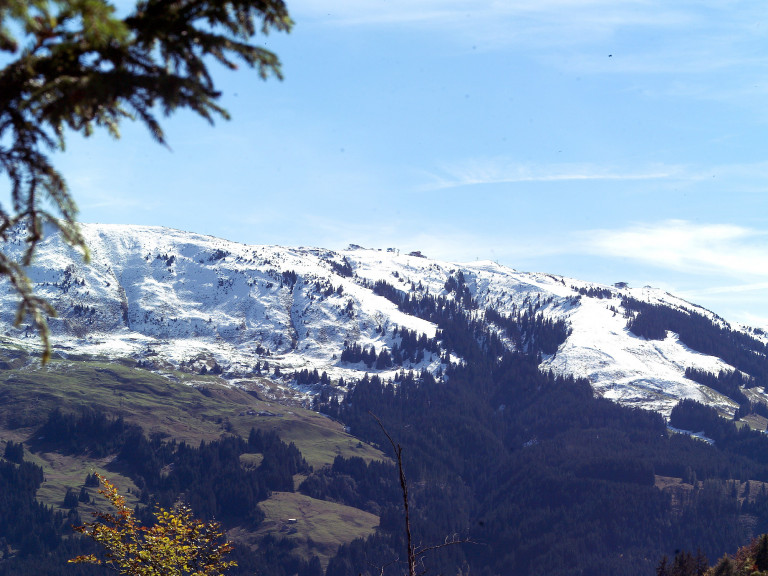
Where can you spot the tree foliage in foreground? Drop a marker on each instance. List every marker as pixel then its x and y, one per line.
pixel 74 64
pixel 177 544
pixel 749 560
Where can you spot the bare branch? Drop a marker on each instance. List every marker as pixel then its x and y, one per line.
pixel 385 566
pixel 404 487
pixel 451 540
pixel 415 555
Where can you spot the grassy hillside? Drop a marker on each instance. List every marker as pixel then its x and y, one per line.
pixel 319 526
pixel 175 404
pixel 181 406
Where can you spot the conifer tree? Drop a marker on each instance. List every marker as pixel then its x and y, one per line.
pixel 725 567
pixel 75 65
pixel 761 553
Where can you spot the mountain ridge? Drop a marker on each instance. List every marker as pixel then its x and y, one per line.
pixel 175 298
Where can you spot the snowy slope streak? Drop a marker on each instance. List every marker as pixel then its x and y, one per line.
pixel 181 299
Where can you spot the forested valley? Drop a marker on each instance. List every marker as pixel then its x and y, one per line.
pixel 528 471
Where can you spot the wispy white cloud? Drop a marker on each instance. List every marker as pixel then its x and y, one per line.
pixel 731 289
pixel 596 14
pixel 682 38
pixel 712 249
pixel 527 18
pixel 742 177
pixel 753 174
pixel 95 195
pixel 751 319
pixel 502 171
pixel 743 303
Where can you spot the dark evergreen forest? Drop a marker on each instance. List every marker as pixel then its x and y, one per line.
pixel 539 474
pixel 544 477
pixel 209 477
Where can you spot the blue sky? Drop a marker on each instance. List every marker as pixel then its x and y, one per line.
pixel 604 140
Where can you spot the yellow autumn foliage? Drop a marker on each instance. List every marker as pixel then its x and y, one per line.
pixel 177 545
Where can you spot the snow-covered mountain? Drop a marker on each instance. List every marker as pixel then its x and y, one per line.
pixel 176 298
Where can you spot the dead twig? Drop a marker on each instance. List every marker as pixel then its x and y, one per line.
pixel 415 554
